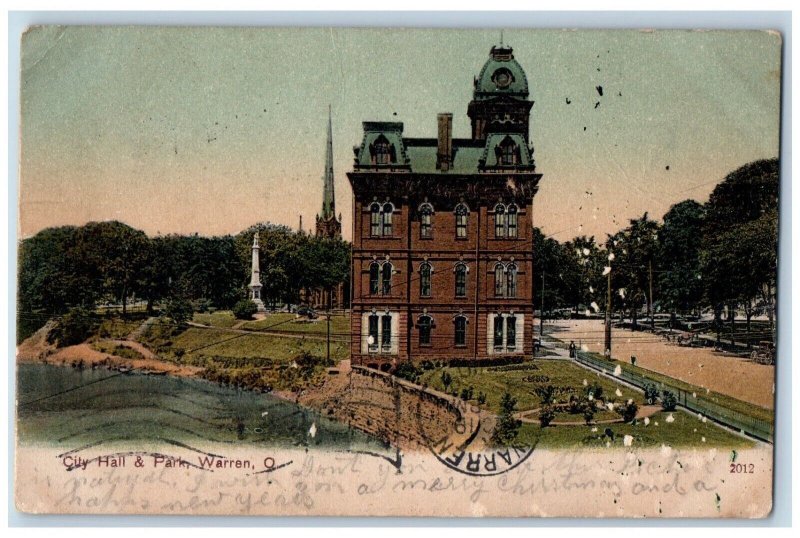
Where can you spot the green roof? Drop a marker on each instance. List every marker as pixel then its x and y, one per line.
pixel 501 75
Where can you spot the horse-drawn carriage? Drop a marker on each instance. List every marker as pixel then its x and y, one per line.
pixel 763 353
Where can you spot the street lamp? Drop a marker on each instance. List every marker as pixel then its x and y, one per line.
pixel 607 272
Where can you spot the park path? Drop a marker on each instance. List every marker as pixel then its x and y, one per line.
pixel 282 334
pixel 645 411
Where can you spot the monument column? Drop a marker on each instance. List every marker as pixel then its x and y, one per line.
pixel 255 279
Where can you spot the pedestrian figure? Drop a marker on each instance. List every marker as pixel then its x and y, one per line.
pixel 572 350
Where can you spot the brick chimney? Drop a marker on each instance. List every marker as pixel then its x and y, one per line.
pixel 444 152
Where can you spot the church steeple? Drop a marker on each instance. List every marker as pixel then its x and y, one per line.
pixel 327 223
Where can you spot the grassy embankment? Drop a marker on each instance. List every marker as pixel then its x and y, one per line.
pixel 251 359
pixel 728 402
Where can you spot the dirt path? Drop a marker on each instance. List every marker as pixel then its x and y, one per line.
pixel 529 417
pixel 704 367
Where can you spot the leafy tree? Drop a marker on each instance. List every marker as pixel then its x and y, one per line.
pixel 738 257
pixel 680 281
pixel 508 426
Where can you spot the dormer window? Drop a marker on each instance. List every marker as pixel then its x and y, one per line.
pixel 382 151
pixel 507 152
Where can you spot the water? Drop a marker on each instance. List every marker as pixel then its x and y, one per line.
pixel 74 408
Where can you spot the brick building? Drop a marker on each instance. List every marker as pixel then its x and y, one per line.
pixel 442 232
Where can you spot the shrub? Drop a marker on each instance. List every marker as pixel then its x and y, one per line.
pixel 596 390
pixel 650 394
pixel 481 398
pixel 426 365
pixel 179 310
pixel 407 370
pixel 547 394
pixel 546 415
pixel 628 411
pixel 244 309
pixel 507 426
pixel 73 328
pixel 668 401
pixel 466 393
pixel 446 380
pixel 589 409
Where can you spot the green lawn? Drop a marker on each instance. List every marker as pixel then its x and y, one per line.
pixel 222 343
pixel 222 318
pixel 686 431
pixel 340 325
pixel 561 374
pixel 728 402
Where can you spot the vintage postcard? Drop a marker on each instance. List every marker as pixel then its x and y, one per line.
pixel 386 272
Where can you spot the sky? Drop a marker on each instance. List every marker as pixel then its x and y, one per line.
pixel 211 130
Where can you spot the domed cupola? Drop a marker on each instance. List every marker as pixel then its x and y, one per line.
pixel 501 75
pixel 500 98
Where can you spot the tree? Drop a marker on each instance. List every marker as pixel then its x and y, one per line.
pixel 738 257
pixel 73 327
pixel 680 281
pixel 508 426
pixel 179 309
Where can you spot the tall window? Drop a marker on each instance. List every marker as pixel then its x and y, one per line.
pixel 425 280
pixel 374 277
pixel 498 280
pixel 498 332
pixel 386 279
pixel 461 220
pixel 425 220
pixel 375 219
pixel 388 209
pixel 386 329
pixel 511 281
pixel 512 220
pixel 461 331
pixel 511 333
pixel 461 280
pixel 373 332
pixel 500 220
pixel 425 323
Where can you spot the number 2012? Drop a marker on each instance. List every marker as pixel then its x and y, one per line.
pixel 742 468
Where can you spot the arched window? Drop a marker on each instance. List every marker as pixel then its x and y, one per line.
pixel 498 332
pixel 425 280
pixel 499 220
pixel 461 220
pixel 498 280
pixel 425 220
pixel 373 332
pixel 388 209
pixel 511 333
pixel 461 331
pixel 386 332
pixel 511 281
pixel 512 220
pixel 386 279
pixel 424 324
pixel 461 280
pixel 374 277
pixel 375 219
pixel 382 152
